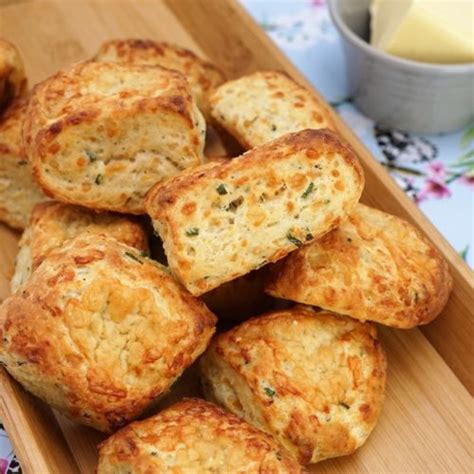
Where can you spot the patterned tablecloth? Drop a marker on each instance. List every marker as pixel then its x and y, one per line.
pixel 436 171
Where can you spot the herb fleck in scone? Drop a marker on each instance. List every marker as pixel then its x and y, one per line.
pixel 202 76
pixel 266 105
pixel 313 380
pixel 99 332
pixel 191 437
pixel 18 192
pixel 54 223
pixel 220 221
pixel 374 266
pixel 13 81
pixel 102 134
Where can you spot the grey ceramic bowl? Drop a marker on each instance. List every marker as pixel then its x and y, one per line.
pixel 399 93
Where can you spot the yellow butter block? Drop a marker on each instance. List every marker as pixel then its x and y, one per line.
pixel 432 31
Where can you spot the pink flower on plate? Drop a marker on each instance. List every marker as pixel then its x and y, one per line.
pixel 436 170
pixel 433 189
pixel 317 3
pixel 3 465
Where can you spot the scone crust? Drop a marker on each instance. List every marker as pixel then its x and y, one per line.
pixel 194 436
pixel 313 380
pixel 54 223
pixel 374 266
pixel 18 192
pixel 99 332
pixel 101 134
pixel 221 221
pixel 13 82
pixel 265 105
pixel 202 76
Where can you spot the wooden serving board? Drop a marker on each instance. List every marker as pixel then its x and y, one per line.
pixel 428 418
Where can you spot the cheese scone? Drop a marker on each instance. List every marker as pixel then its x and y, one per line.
pixel 13 81
pixel 54 223
pixel 203 77
pixel 373 267
pixel 191 437
pixel 99 332
pixel 266 105
pixel 18 192
pixel 313 380
pixel 221 221
pixel 102 134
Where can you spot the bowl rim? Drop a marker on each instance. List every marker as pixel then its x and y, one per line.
pixel 407 64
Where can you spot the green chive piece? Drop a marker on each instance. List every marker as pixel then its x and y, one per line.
pixel 309 236
pixel 192 232
pixel 99 178
pixel 294 240
pixel 145 254
pixel 91 155
pixel 221 189
pixel 269 391
pixel 345 405
pixel 133 257
pixel 22 162
pixel 308 191
pixel 233 205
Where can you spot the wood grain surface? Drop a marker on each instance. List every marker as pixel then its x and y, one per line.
pixel 427 422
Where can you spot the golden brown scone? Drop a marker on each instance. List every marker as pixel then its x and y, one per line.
pixel 220 221
pixel 374 267
pixel 101 134
pixel 203 77
pixel 13 81
pixel 266 105
pixel 239 299
pixel 193 437
pixel 313 380
pixel 99 332
pixel 54 223
pixel 18 192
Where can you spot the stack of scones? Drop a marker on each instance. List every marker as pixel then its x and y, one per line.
pixel 103 166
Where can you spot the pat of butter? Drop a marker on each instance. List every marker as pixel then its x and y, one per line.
pixel 433 31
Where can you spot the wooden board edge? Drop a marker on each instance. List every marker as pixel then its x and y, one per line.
pixel 34 431
pixel 232 24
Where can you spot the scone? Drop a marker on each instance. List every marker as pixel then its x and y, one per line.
pixel 99 332
pixel 54 223
pixel 374 266
pixel 193 437
pixel 18 192
pixel 220 221
pixel 102 134
pixel 202 76
pixel 313 380
pixel 266 105
pixel 13 81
